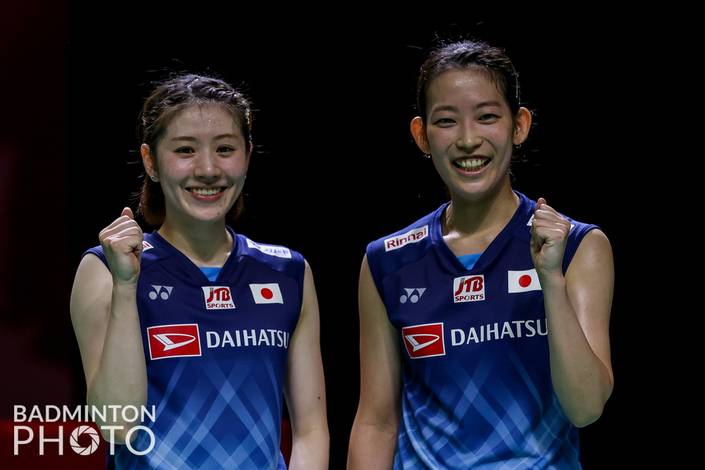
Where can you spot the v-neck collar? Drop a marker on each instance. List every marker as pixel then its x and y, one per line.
pixel 191 267
pixel 448 258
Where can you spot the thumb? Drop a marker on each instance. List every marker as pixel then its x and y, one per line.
pixel 540 203
pixel 128 212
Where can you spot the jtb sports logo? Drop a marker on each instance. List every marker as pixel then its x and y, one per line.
pixel 173 341
pixel 218 297
pixel 424 340
pixel 469 288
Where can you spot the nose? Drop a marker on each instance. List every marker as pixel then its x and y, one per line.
pixel 468 141
pixel 206 166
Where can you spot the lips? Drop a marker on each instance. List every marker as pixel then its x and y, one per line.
pixel 471 165
pixel 210 191
pixel 206 194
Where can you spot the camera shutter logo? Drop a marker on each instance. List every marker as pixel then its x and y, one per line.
pixel 78 448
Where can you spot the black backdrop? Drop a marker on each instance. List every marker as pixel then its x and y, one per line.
pixel 334 167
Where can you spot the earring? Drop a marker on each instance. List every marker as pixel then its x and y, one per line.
pixel 153 178
pixel 427 155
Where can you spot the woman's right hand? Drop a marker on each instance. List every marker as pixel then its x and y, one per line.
pixel 122 245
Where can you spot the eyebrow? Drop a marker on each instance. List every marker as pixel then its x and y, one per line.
pixel 484 104
pixel 193 139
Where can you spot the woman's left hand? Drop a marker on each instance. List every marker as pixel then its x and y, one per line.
pixel 549 235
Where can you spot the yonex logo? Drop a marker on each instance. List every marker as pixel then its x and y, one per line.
pixel 424 340
pixel 161 292
pixel 180 340
pixel 412 295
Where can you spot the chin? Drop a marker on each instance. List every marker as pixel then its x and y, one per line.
pixel 207 215
pixel 470 193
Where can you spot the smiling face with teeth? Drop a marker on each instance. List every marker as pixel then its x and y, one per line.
pixel 201 163
pixel 469 131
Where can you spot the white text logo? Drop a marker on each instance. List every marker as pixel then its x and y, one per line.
pixel 84 439
pixel 412 236
pixel 273 250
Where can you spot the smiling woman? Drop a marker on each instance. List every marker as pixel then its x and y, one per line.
pixel 200 165
pixel 504 351
pixel 209 327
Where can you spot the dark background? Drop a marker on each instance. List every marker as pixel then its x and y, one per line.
pixel 335 167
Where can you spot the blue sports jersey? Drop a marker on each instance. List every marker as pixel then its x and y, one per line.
pixel 216 354
pixel 476 383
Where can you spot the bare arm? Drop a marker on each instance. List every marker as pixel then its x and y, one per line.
pixel 305 387
pixel 106 323
pixel 577 312
pixel 374 433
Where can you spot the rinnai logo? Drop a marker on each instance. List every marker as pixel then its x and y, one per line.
pixel 412 295
pixel 424 340
pixel 161 292
pixel 218 297
pixel 273 250
pixel 522 281
pixel 267 293
pixel 146 245
pixel 174 341
pixel 469 288
pixel 412 236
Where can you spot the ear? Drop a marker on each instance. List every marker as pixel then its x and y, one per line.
pixel 522 124
pixel 149 161
pixel 418 131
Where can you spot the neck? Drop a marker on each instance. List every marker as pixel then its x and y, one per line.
pixel 206 244
pixel 472 216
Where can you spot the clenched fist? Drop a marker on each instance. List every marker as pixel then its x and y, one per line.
pixel 122 245
pixel 549 235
